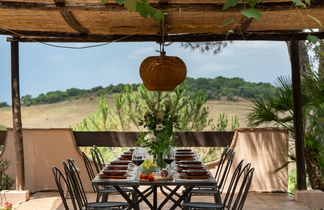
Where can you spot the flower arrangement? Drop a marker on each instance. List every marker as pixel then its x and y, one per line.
pixel 160 119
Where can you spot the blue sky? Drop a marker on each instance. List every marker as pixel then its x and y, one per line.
pixel 44 68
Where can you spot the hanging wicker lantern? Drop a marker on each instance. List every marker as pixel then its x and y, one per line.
pixel 162 73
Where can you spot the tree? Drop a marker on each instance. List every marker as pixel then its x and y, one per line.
pixel 3 104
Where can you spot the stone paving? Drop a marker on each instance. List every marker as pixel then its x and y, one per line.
pixel 257 201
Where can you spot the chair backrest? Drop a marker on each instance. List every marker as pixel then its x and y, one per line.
pixel 90 171
pixel 242 176
pixel 72 174
pixel 224 167
pixel 60 181
pixel 97 158
pixel 102 160
pixel 244 190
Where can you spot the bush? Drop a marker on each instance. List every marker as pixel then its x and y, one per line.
pixel 6 182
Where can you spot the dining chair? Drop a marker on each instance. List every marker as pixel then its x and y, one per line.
pixel 102 192
pixel 97 158
pixel 233 200
pixel 221 175
pixel 80 195
pixel 60 182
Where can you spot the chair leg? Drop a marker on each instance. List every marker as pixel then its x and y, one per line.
pixel 188 198
pixel 97 196
pixel 104 197
pixel 217 198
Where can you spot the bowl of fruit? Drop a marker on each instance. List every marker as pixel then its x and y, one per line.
pixel 148 167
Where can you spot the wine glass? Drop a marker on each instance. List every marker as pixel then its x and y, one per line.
pixel 168 157
pixel 138 157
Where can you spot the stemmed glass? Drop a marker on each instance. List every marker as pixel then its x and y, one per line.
pixel 138 157
pixel 169 157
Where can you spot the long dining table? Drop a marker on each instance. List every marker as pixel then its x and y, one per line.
pixel 169 188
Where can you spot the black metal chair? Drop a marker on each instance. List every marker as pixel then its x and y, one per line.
pixel 61 181
pixel 106 191
pixel 97 158
pixel 80 195
pixel 232 200
pixel 221 175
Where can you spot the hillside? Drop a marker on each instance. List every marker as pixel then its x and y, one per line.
pixel 229 88
pixel 69 113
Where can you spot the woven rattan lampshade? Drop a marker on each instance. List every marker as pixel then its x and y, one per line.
pixel 162 73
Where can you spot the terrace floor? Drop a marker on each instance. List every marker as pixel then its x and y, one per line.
pixel 257 201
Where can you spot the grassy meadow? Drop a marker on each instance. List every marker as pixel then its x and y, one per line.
pixel 69 113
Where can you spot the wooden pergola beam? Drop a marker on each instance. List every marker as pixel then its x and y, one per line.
pixel 46 6
pixel 38 36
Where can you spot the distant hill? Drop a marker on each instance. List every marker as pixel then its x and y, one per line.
pixel 219 87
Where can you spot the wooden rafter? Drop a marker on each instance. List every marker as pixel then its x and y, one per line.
pixel 32 36
pixel 69 17
pixel 46 6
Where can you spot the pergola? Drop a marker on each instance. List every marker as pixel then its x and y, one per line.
pixel 187 21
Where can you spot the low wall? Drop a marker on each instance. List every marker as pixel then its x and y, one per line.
pixel 266 149
pixel 43 148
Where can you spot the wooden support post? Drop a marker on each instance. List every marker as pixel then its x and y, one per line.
pixel 16 116
pixel 298 121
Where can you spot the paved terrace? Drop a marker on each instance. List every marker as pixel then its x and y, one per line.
pixel 257 201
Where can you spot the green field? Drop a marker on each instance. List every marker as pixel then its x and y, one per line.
pixel 69 113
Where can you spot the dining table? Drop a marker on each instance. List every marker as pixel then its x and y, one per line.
pixel 168 187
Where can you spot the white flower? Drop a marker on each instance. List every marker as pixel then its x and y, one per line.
pixel 159 127
pixel 150 137
pixel 160 115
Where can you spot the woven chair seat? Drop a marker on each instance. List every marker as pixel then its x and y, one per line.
pixel 96 205
pixel 202 205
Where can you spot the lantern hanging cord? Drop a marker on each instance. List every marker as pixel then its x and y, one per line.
pixel 162 35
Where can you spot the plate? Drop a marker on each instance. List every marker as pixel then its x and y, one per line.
pixel 103 176
pixel 114 172
pixel 185 155
pixel 187 167
pixel 117 167
pixel 184 158
pixel 194 177
pixel 189 162
pixel 120 162
pixel 183 150
pixel 195 172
